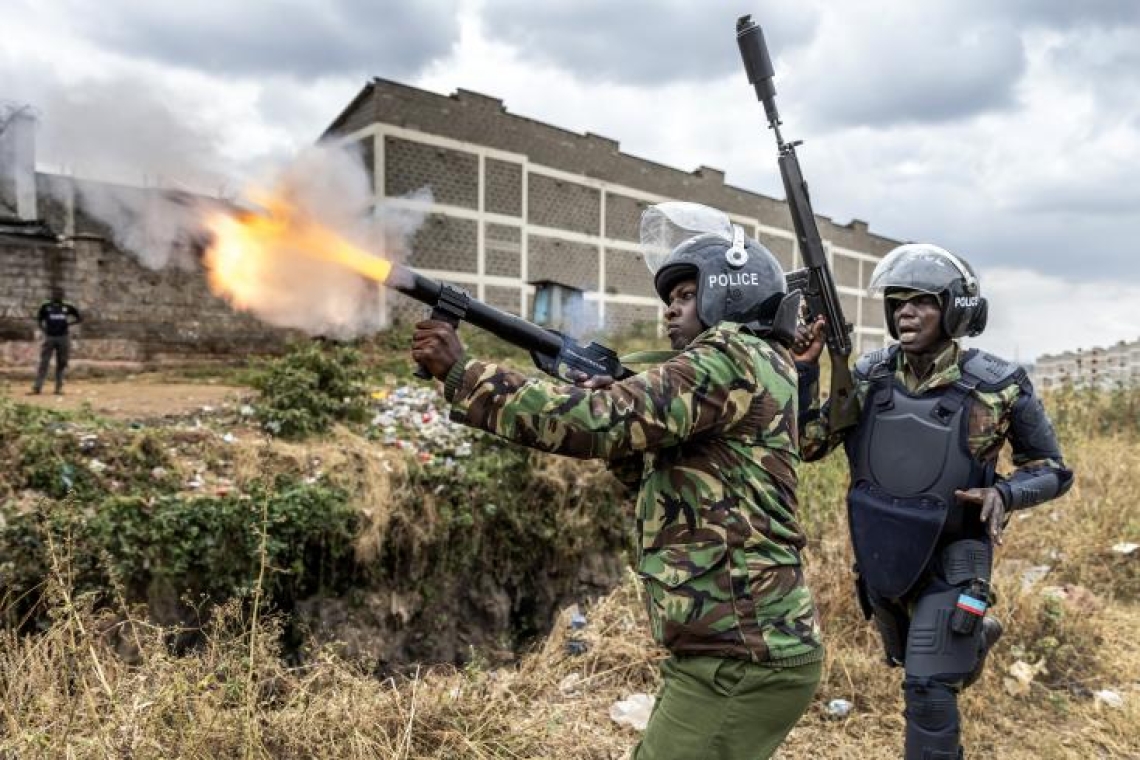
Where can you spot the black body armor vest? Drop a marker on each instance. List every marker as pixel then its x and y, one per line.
pixel 907 457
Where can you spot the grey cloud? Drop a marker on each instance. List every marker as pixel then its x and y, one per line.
pixel 1064 15
pixel 1064 242
pixel 1104 62
pixel 304 39
pixel 926 67
pixel 642 42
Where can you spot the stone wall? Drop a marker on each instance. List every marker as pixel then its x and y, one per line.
pixel 130 313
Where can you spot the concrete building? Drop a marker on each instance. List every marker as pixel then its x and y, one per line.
pixel 517 201
pixel 1116 366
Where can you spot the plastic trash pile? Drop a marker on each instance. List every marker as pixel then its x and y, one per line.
pixel 414 418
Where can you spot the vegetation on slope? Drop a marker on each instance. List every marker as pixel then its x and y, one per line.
pixel 99 676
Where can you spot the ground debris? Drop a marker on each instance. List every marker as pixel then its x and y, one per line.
pixel 414 419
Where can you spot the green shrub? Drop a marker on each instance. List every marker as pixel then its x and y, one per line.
pixel 311 387
pixel 172 545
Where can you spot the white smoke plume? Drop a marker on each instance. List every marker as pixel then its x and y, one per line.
pixel 327 184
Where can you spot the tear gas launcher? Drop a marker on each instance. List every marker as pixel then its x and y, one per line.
pixel 241 242
pixel 555 354
pixel 814 280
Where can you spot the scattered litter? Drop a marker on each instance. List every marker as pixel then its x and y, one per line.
pixel 207 409
pixel 577 620
pixel 633 711
pixel 571 684
pixel 576 647
pixel 96 466
pixel 158 473
pixel 229 438
pixel 839 708
pixel 1108 697
pixel 67 476
pixel 195 482
pixel 1021 675
pixel 414 419
pixel 88 442
pixel 1125 547
pixel 246 410
pixel 1034 575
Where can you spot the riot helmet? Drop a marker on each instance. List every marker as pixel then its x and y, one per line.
pixel 738 279
pixel 929 269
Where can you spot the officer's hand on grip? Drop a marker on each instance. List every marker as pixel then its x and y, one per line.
pixel 809 342
pixel 436 347
pixel 597 382
pixel 993 508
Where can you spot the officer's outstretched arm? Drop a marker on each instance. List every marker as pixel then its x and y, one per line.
pixel 702 389
pixel 1041 474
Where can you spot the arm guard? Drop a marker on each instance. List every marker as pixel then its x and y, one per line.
pixel 807 381
pixel 1028 488
pixel 1033 440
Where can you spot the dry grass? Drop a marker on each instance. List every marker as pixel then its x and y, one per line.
pixel 67 692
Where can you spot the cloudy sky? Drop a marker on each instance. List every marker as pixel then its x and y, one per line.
pixel 1007 132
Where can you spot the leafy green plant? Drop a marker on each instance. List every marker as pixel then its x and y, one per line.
pixel 171 545
pixel 311 387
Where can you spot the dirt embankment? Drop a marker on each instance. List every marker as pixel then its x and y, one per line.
pixel 460 544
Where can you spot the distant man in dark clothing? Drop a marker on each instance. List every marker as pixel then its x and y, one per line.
pixel 55 317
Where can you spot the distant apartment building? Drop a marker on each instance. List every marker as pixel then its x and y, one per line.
pixel 516 201
pixel 1113 367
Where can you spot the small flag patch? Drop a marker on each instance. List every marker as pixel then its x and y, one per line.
pixel 971 605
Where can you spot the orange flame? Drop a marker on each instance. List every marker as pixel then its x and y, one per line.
pixel 246 249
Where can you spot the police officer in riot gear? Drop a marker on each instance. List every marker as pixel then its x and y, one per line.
pixel 925 503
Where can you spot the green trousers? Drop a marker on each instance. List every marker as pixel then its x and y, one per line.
pixel 712 708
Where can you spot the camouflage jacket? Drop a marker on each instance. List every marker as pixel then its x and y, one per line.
pixel 996 415
pixel 718 541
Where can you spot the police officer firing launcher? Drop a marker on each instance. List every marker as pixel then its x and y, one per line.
pixel 925 503
pixel 711 437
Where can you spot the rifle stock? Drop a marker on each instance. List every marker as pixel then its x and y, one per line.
pixel 815 280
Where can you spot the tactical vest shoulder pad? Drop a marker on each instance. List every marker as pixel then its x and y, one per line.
pixel 991 372
pixel 868 361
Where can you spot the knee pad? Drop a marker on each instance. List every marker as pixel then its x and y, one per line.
pixel 930 705
pixel 933 725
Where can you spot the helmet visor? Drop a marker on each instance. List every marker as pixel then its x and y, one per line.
pixel 665 226
pixel 918 267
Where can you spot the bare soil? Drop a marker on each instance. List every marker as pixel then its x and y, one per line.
pixel 131 398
